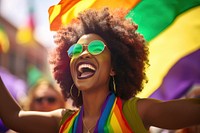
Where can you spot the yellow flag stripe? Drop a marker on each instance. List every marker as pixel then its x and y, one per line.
pixel 178 40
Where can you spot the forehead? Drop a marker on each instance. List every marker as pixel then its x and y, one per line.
pixel 85 39
pixel 44 90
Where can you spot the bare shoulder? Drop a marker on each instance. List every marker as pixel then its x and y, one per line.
pixel 144 104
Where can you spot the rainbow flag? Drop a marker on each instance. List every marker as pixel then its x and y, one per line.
pixel 66 10
pixel 4 41
pixel 171 28
pixel 110 121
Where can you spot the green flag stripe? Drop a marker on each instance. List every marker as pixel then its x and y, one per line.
pixel 165 50
pixel 153 16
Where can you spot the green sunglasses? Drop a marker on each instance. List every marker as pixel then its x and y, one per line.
pixel 94 47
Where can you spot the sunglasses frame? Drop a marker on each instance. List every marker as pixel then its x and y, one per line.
pixel 82 47
pixel 48 99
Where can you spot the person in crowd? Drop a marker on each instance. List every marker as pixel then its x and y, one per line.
pixel 100 63
pixel 44 96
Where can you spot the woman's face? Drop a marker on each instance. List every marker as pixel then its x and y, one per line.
pixel 91 72
pixel 46 99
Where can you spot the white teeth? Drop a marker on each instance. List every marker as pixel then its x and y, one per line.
pixel 80 68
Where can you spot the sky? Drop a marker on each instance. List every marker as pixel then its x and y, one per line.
pixel 15 11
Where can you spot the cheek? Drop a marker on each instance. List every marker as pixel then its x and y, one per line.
pixel 106 63
pixel 105 55
pixel 72 71
pixel 72 66
pixel 107 58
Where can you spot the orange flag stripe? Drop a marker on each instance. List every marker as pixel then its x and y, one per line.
pixel 66 10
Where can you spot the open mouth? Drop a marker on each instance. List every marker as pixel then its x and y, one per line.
pixel 85 70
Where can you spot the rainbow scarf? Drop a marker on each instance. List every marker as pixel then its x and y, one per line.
pixel 110 121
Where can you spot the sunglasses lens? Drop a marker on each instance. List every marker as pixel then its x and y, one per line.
pixel 51 99
pixel 75 50
pixel 38 100
pixel 96 47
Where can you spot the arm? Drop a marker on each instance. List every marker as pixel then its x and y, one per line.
pixel 173 114
pixel 26 121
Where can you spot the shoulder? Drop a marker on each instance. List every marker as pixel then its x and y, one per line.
pixel 146 107
pixel 132 115
pixel 138 109
pixel 145 104
pixel 141 104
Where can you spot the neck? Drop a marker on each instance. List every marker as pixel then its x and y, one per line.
pixel 93 102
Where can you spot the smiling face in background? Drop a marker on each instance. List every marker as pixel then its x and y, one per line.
pixel 91 72
pixel 45 98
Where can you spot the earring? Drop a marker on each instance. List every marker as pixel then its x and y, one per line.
pixel 114 85
pixel 72 93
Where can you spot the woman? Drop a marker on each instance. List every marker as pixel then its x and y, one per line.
pixel 102 73
pixel 44 96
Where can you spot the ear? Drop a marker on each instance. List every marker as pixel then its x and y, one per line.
pixel 112 72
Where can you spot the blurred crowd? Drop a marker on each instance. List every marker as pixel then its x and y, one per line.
pixel 44 95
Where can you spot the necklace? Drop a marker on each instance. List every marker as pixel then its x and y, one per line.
pixel 88 129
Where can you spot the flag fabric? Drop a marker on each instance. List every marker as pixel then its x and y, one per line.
pixel 4 41
pixel 180 78
pixel 171 28
pixel 111 120
pixel 62 13
pixel 25 33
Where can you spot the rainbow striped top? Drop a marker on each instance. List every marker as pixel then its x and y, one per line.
pixel 111 120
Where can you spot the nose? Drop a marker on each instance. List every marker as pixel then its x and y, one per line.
pixel 45 103
pixel 46 106
pixel 85 54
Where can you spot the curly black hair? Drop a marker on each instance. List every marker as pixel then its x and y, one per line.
pixel 129 51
